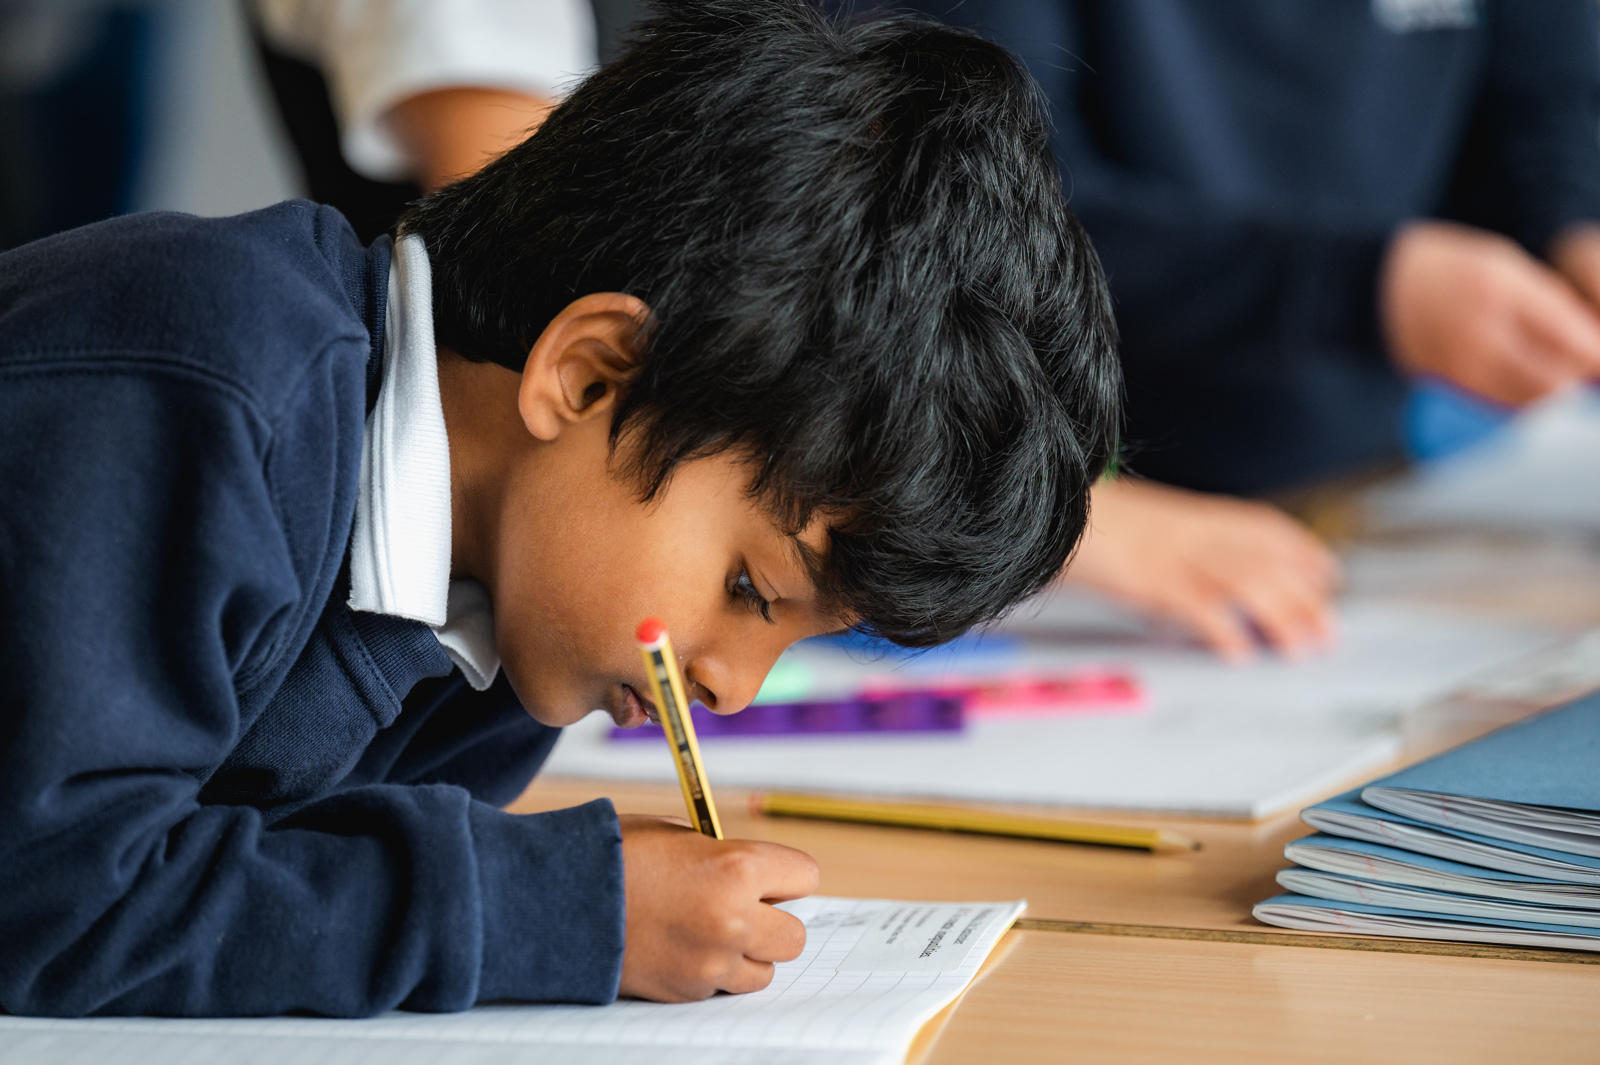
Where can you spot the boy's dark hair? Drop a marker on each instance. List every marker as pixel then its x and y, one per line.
pixel 861 273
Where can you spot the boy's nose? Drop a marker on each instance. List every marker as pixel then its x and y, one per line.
pixel 722 688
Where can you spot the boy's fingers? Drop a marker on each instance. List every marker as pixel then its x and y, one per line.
pixel 1312 557
pixel 782 873
pixel 746 976
pixel 1528 374
pixel 1289 615
pixel 1558 322
pixel 1292 546
pixel 775 936
pixel 1215 621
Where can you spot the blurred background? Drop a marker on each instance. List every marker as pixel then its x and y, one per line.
pixel 106 109
pixel 111 106
pixel 137 105
pixel 1269 183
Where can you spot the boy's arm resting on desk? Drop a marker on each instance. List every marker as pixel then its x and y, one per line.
pixel 146 569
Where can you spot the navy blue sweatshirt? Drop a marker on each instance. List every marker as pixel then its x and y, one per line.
pixel 1241 167
pixel 221 791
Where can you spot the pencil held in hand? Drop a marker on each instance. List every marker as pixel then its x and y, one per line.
pixel 666 686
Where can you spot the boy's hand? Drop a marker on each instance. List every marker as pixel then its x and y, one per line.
pixel 699 911
pixel 1576 253
pixel 1473 308
pixel 1216 565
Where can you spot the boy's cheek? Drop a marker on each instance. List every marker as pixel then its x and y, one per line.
pixel 549 700
pixel 559 686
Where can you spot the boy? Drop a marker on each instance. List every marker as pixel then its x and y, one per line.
pixel 308 550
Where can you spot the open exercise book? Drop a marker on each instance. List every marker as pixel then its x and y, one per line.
pixel 873 972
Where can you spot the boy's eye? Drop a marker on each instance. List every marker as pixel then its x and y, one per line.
pixel 745 589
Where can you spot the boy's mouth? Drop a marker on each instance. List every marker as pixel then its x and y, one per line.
pixel 634 709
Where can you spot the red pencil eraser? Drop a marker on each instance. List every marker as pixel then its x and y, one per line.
pixel 650 630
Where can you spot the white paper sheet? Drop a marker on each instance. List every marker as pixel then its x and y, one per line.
pixel 1538 474
pixel 1217 740
pixel 873 972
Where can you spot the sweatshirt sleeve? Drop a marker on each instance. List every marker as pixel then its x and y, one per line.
pixel 1532 160
pixel 144 571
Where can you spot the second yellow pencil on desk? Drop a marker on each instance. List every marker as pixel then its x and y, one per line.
pixel 958 819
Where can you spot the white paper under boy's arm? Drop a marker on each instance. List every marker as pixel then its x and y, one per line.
pixel 1530 476
pixel 824 1008
pixel 376 53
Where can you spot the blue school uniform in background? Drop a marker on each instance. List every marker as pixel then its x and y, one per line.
pixel 1241 168
pixel 222 792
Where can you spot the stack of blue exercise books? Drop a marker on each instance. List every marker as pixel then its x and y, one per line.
pixel 1497 841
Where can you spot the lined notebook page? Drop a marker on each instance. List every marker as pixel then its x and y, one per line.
pixel 873 971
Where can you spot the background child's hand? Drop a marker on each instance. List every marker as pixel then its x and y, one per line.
pixel 699 911
pixel 1217 565
pixel 1473 308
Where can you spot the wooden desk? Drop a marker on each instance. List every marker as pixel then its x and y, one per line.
pixel 1087 999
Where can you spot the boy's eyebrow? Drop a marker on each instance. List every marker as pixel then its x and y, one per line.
pixel 810 559
pixel 825 598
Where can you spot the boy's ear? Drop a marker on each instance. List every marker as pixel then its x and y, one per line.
pixel 584 356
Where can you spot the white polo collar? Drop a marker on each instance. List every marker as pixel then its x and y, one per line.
pixel 400 549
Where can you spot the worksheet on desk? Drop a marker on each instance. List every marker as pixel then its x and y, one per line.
pixel 1535 475
pixel 872 973
pixel 1216 740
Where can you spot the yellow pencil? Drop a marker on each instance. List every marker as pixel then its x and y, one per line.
pixel 666 685
pixel 955 819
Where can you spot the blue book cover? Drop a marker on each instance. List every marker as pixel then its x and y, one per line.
pixel 1396 854
pixel 1347 816
pixel 1350 803
pixel 1424 922
pixel 1549 760
pixel 1428 900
